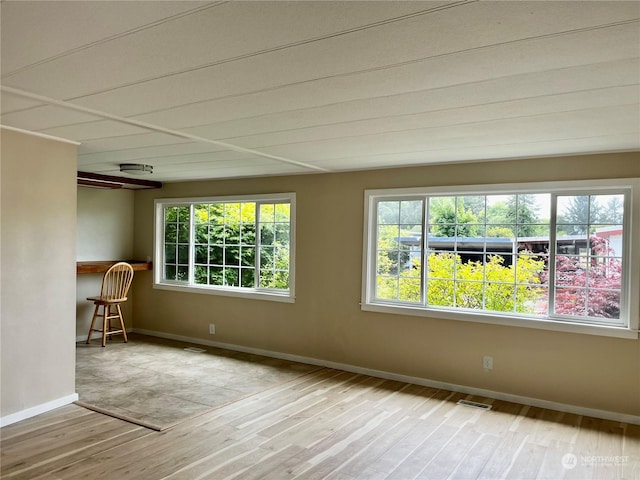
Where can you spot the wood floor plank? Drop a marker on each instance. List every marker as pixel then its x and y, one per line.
pixel 55 417
pixel 62 455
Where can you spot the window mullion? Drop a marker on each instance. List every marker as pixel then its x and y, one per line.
pixel 424 247
pixel 257 256
pixel 551 289
pixel 192 247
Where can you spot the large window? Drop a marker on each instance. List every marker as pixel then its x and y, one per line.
pixel 230 245
pixel 558 253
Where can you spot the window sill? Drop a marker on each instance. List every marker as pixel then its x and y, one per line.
pixel 229 292
pixel 553 325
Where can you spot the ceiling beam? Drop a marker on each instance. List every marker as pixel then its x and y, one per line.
pixel 91 179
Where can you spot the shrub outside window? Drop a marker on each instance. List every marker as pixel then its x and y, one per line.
pixel 228 245
pixel 520 253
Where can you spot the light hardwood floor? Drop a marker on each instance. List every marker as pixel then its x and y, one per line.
pixel 328 425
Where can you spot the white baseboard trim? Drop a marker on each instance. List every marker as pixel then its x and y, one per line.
pixel 37 410
pixel 508 397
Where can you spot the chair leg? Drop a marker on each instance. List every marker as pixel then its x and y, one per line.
pixel 95 314
pixel 124 330
pixel 105 324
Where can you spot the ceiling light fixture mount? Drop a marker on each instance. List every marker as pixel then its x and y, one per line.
pixel 136 168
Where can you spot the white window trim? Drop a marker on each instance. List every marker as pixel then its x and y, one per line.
pixel 632 249
pixel 286 296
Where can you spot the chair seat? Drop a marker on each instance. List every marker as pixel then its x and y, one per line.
pixel 105 301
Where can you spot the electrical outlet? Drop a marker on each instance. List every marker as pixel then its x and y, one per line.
pixel 212 328
pixel 487 363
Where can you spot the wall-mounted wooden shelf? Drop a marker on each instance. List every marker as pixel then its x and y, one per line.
pixel 101 266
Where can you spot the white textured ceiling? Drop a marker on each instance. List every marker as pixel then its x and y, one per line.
pixel 227 89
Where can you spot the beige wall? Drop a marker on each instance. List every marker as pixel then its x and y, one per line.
pixel 104 232
pixel 38 248
pixel 326 322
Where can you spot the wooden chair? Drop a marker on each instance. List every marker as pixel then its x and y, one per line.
pixel 115 286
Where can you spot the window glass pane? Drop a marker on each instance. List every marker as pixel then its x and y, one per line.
pixel 248 234
pixel 387 287
pixel 248 213
pixel 267 279
pixel 442 216
pixel 248 256
pixel 170 272
pixel 201 254
pixel 409 289
pixel 388 213
pixel 532 269
pixel 201 214
pixel 267 213
pixel 171 233
pixel 605 272
pixel 183 273
pixel 498 268
pixel 232 277
pixel 216 255
pixel 281 279
pixel 232 234
pixel 183 214
pixel 532 209
pixel 232 256
pixel 411 212
pixel 216 213
pixel 474 205
pixel 501 209
pixel 389 237
pixel 171 214
pixel 267 258
pixel 532 299
pixel 202 233
pixel 607 240
pixel 183 254
pixel 573 209
pixel 247 277
pixel 571 301
pixel 572 239
pixel 267 234
pixel 442 265
pixel 604 303
pixel 183 232
pixel 283 212
pixel 282 258
pixel 440 293
pixel 232 213
pixel 216 276
pixel 500 297
pixel 607 209
pixel 201 275
pixel 282 233
pixel 469 295
pixel 170 253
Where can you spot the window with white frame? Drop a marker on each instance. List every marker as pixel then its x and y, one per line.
pixel 227 245
pixel 556 252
